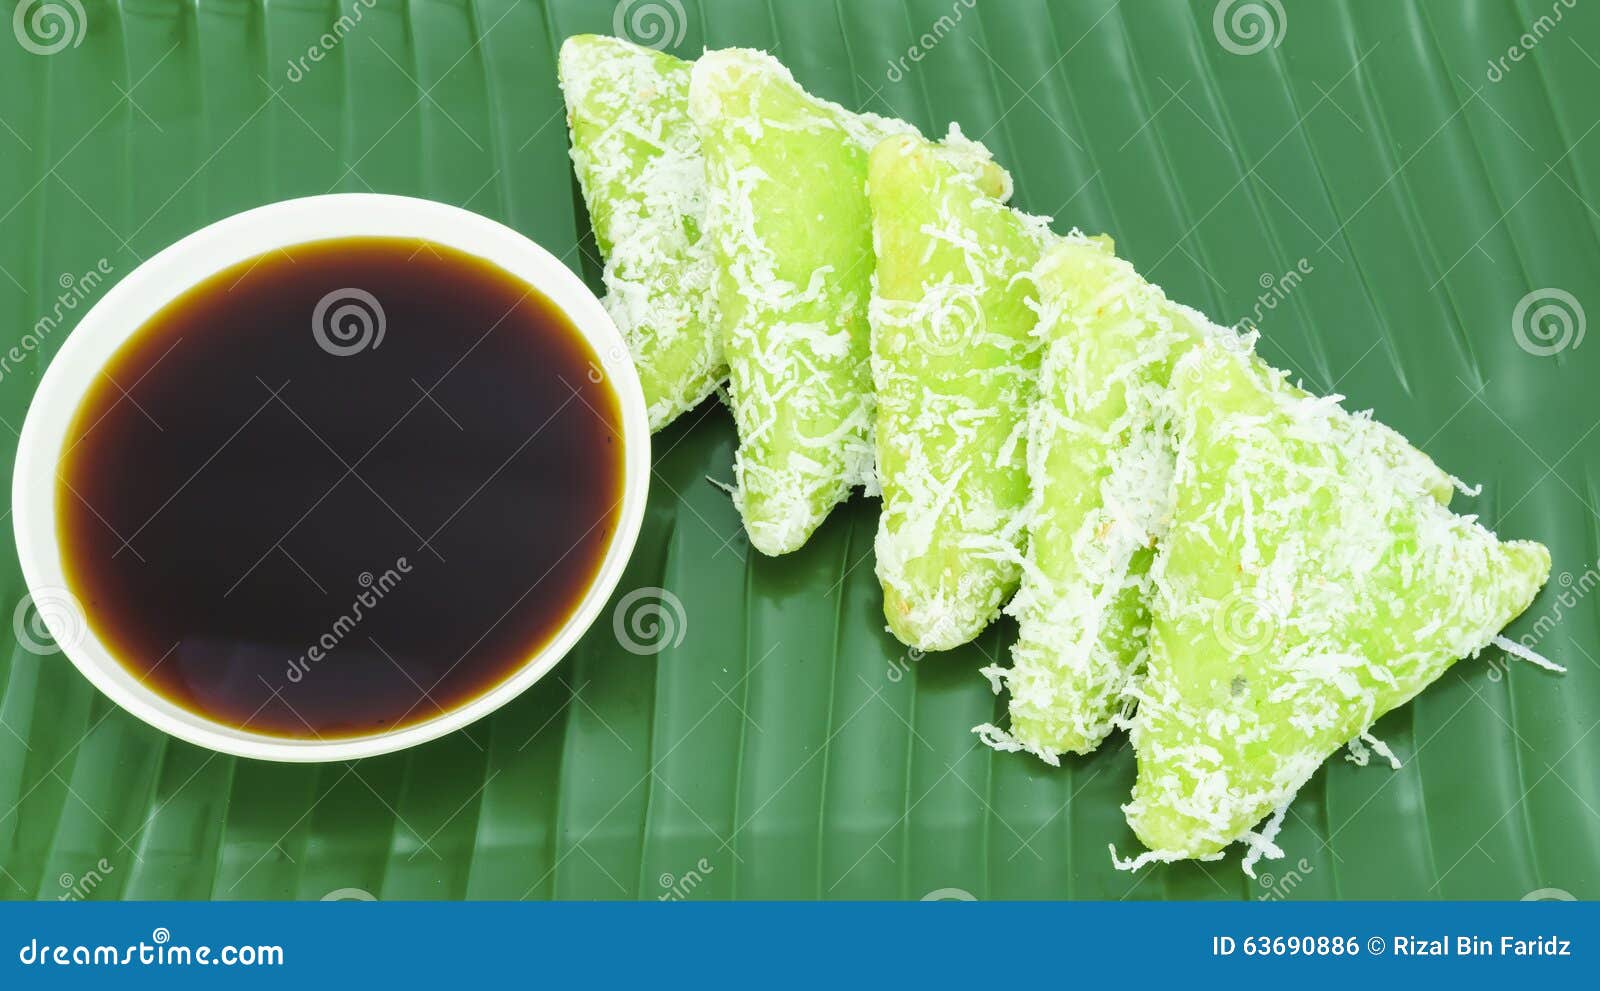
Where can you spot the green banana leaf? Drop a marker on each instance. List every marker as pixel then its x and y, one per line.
pixel 1406 211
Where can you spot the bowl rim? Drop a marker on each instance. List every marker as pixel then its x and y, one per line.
pixel 128 306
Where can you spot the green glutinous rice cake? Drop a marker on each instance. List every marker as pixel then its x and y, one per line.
pixel 954 363
pixel 1242 574
pixel 638 161
pixel 791 235
pixel 1101 467
pixel 1309 582
pixel 1101 461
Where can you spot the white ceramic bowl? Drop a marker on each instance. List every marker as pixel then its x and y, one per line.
pixel 134 300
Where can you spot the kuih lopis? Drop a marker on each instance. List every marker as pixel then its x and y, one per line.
pixel 792 242
pixel 638 161
pixel 1245 575
pixel 954 363
pixel 1101 461
pixel 1309 583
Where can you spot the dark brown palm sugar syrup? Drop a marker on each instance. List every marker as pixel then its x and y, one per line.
pixel 341 488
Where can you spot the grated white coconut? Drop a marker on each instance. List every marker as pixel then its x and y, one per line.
pixel 796 341
pixel 1361 586
pixel 954 365
pixel 639 165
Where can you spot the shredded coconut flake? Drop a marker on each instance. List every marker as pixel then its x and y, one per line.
pixel 1261 844
pixel 1153 857
pixel 1520 652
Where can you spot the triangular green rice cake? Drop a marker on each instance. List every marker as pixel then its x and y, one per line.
pixel 1307 585
pixel 791 238
pixel 638 161
pixel 1101 462
pixel 954 362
